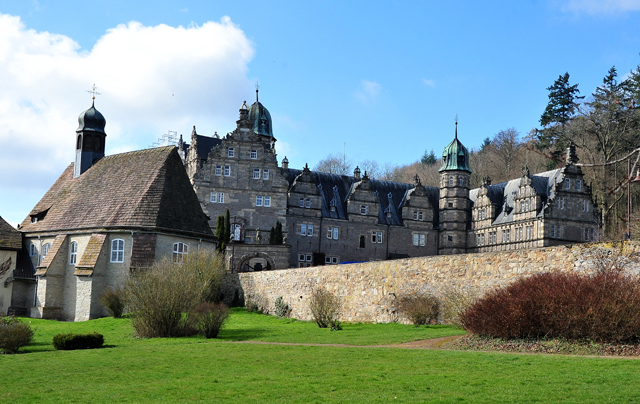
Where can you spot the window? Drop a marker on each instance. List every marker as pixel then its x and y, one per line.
pixel 310 230
pixel 218 170
pixel 180 251
pixel 117 250
pixel 567 183
pixel 267 201
pixel 265 174
pixel 363 209
pixel 253 154
pixel 307 203
pixel 227 171
pixel 216 197
pixel 460 181
pixel 302 202
pixel 585 205
pixel 330 260
pixel 418 240
pixel 493 238
pixel 306 230
pixel 451 204
pixel 586 234
pixel 332 233
pixel 304 260
pixel 361 242
pixel 32 250
pixel 506 235
pixel 231 152
pixel 259 200
pixel 45 249
pixel 528 206
pixel 449 238
pixel 256 173
pixel 529 231
pixel 553 230
pixel 73 252
pixel 450 180
pixel 560 203
pixel 593 234
pixel 376 237
pixel 578 185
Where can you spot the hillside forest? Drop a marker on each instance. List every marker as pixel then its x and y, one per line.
pixel 604 126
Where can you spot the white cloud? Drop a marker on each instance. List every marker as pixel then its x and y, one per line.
pixel 429 82
pixel 152 79
pixel 368 91
pixel 594 7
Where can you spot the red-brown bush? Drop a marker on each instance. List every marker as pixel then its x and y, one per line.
pixel 604 307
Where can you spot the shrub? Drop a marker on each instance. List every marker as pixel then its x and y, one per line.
pixel 208 318
pixel 258 304
pixel 420 309
pixel 14 334
pixel 282 308
pixel 68 342
pixel 453 302
pixel 603 307
pixel 160 297
pixel 113 301
pixel 325 307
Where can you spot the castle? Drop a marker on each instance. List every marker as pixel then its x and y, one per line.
pixel 329 219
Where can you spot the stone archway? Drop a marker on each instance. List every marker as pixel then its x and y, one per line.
pixel 243 263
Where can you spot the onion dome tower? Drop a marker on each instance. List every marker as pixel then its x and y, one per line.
pixel 90 138
pixel 455 206
pixel 260 119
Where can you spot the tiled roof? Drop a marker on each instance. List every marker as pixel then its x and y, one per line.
pixel 90 256
pixel 142 189
pixel 10 238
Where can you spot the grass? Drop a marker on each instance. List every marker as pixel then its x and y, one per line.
pixel 198 370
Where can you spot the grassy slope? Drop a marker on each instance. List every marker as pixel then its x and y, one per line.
pixel 194 369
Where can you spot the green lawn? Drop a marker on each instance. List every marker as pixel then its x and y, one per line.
pixel 198 370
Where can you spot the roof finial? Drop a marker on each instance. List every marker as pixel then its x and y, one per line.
pixel 456 126
pixel 93 91
pixel 257 88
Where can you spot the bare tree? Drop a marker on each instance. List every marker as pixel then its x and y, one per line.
pixel 335 164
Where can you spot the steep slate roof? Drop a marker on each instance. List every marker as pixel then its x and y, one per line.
pixel 503 194
pixel 205 144
pixel 142 189
pixel 336 189
pixel 10 238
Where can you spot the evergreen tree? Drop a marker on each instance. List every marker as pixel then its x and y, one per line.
pixel 272 235
pixel 562 107
pixel 220 230
pixel 227 228
pixel 429 159
pixel 278 238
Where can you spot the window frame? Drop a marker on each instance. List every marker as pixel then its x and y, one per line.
pixel 119 252
pixel 267 202
pixel 265 174
pixel 227 171
pixel 32 250
pixel 307 203
pixel 73 252
pixel 256 173
pixel 231 152
pixel 309 230
pixel 363 209
pixel 258 200
pixel 179 254
pixel 253 154
pixel 303 229
pixel 45 249
pixel 213 197
pixel 578 185
pixel 218 170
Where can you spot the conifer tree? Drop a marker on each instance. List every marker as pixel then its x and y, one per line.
pixel 562 107
pixel 220 230
pixel 227 228
pixel 278 238
pixel 272 236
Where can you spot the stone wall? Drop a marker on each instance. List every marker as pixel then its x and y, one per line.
pixel 368 289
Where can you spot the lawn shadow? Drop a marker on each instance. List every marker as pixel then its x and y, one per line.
pixel 245 334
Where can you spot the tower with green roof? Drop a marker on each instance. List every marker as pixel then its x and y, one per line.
pixel 455 206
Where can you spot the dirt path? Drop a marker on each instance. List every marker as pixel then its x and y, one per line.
pixel 434 343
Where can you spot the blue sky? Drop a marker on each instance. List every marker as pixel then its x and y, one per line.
pixel 386 78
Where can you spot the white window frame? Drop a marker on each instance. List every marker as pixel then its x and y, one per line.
pixel 307 203
pixel 45 249
pixel 332 233
pixel 415 215
pixel 73 252
pixel 231 152
pixel 227 171
pixel 256 173
pixel 265 174
pixel 376 237
pixel 302 202
pixel 258 200
pixel 309 230
pixel 117 250
pixel 303 229
pixel 218 170
pixel 253 154
pixel 220 197
pixel 180 252
pixel 267 201
pixel 419 239
pixel 213 197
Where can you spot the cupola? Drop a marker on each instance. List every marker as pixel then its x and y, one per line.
pixel 260 119
pixel 455 156
pixel 90 138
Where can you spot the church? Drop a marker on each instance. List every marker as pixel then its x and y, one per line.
pixel 330 219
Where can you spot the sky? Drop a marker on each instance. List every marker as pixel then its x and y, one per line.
pixel 375 80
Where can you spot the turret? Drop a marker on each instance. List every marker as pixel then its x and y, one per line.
pixel 90 139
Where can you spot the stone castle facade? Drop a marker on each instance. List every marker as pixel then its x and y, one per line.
pixel 330 219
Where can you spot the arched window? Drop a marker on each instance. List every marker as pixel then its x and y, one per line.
pixel 45 249
pixel 88 142
pixel 32 250
pixel 79 145
pixel 117 250
pixel 361 241
pixel 180 251
pixel 73 252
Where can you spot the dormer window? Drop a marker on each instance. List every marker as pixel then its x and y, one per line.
pixel 231 152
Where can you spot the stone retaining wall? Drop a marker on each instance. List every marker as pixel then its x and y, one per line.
pixel 368 289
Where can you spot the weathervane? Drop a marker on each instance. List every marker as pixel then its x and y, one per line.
pixel 257 88
pixel 456 126
pixel 93 91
